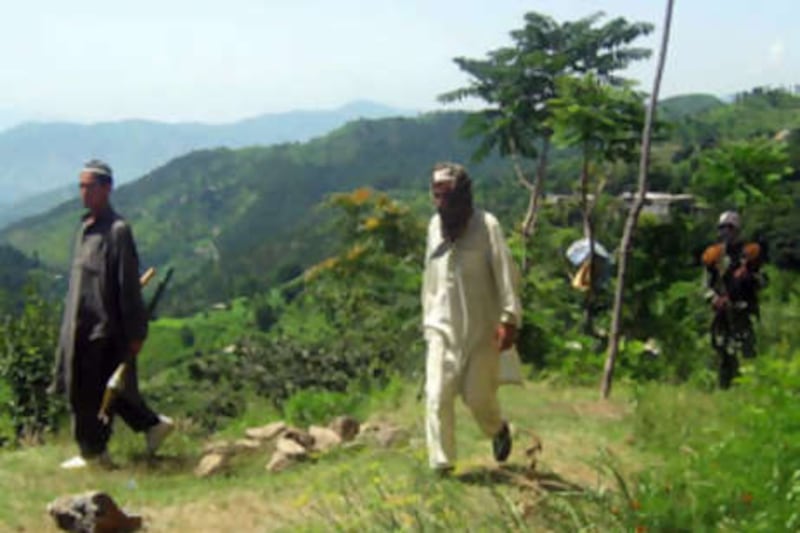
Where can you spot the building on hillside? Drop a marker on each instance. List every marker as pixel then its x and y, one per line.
pixel 659 204
pixel 662 204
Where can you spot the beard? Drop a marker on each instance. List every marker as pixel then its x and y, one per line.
pixel 455 214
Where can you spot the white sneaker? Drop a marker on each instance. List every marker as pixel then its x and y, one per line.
pixel 156 434
pixel 103 460
pixel 74 463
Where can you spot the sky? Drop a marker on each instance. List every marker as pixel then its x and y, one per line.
pixel 214 61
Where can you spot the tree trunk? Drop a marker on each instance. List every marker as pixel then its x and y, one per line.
pixel 534 195
pixel 588 232
pixel 633 214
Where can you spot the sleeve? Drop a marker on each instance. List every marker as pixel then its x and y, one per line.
pixel 711 279
pixel 506 275
pixel 133 314
pixel 426 284
pixel 754 259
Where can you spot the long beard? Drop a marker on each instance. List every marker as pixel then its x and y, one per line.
pixel 454 220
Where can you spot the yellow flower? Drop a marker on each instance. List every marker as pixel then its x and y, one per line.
pixel 371 223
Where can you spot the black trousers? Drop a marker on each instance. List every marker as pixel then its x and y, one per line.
pixel 94 363
pixel 732 333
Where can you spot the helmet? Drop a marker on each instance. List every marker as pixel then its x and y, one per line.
pixel 730 218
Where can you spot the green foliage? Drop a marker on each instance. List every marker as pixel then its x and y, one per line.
pixel 519 81
pixel 605 121
pixel 341 329
pixel 686 105
pixel 310 406
pixel 742 173
pixel 732 463
pixel 28 343
pixel 15 268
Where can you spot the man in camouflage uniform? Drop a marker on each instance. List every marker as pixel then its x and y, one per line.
pixel 733 279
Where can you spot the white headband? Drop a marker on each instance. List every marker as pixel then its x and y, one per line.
pixel 97 171
pixel 443 175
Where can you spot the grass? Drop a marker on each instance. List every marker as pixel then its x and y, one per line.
pixel 655 457
pixel 360 489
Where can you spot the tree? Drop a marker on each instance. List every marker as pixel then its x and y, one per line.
pixel 633 214
pixel 741 173
pixel 602 122
pixel 519 81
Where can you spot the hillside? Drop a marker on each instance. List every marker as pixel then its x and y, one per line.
pixel 247 214
pixel 677 107
pixel 15 268
pixel 234 221
pixel 53 152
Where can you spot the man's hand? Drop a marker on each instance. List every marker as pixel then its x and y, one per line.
pixel 136 347
pixel 720 302
pixel 741 272
pixel 505 335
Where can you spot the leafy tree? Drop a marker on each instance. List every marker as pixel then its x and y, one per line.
pixel 739 174
pixel 519 81
pixel 602 122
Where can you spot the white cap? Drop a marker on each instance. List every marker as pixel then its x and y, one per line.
pixel 444 175
pixel 730 218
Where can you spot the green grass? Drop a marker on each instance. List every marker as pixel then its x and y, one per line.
pixel 365 489
pixel 660 457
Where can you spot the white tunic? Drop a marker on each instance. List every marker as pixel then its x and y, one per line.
pixel 470 285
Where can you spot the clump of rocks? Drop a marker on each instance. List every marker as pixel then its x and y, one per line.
pixel 288 446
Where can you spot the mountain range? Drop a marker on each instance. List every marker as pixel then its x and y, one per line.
pixel 242 216
pixel 233 221
pixel 41 160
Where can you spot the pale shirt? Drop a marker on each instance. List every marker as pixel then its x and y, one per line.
pixel 469 286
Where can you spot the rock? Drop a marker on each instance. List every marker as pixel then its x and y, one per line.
pixel 291 448
pixel 324 438
pixel 346 427
pixel 392 436
pixel 265 433
pixel 210 464
pixel 279 462
pixel 384 434
pixel 91 512
pixel 223 447
pixel 303 438
pixel 247 445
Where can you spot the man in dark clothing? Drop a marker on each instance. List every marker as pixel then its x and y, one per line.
pixel 104 324
pixel 733 279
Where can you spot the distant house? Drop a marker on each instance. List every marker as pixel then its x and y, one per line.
pixel 662 204
pixel 658 204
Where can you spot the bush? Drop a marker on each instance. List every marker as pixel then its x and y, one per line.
pixel 27 346
pixel 314 406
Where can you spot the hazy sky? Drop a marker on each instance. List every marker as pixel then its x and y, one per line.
pixel 216 61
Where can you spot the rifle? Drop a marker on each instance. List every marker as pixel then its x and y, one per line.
pixel 117 380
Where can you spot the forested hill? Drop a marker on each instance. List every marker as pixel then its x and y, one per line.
pixel 230 220
pixel 235 221
pixel 14 266
pixel 43 157
pixel 677 107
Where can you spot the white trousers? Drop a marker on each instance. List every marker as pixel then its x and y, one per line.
pixel 449 372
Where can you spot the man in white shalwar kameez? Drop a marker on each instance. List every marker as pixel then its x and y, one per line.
pixel 471 312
